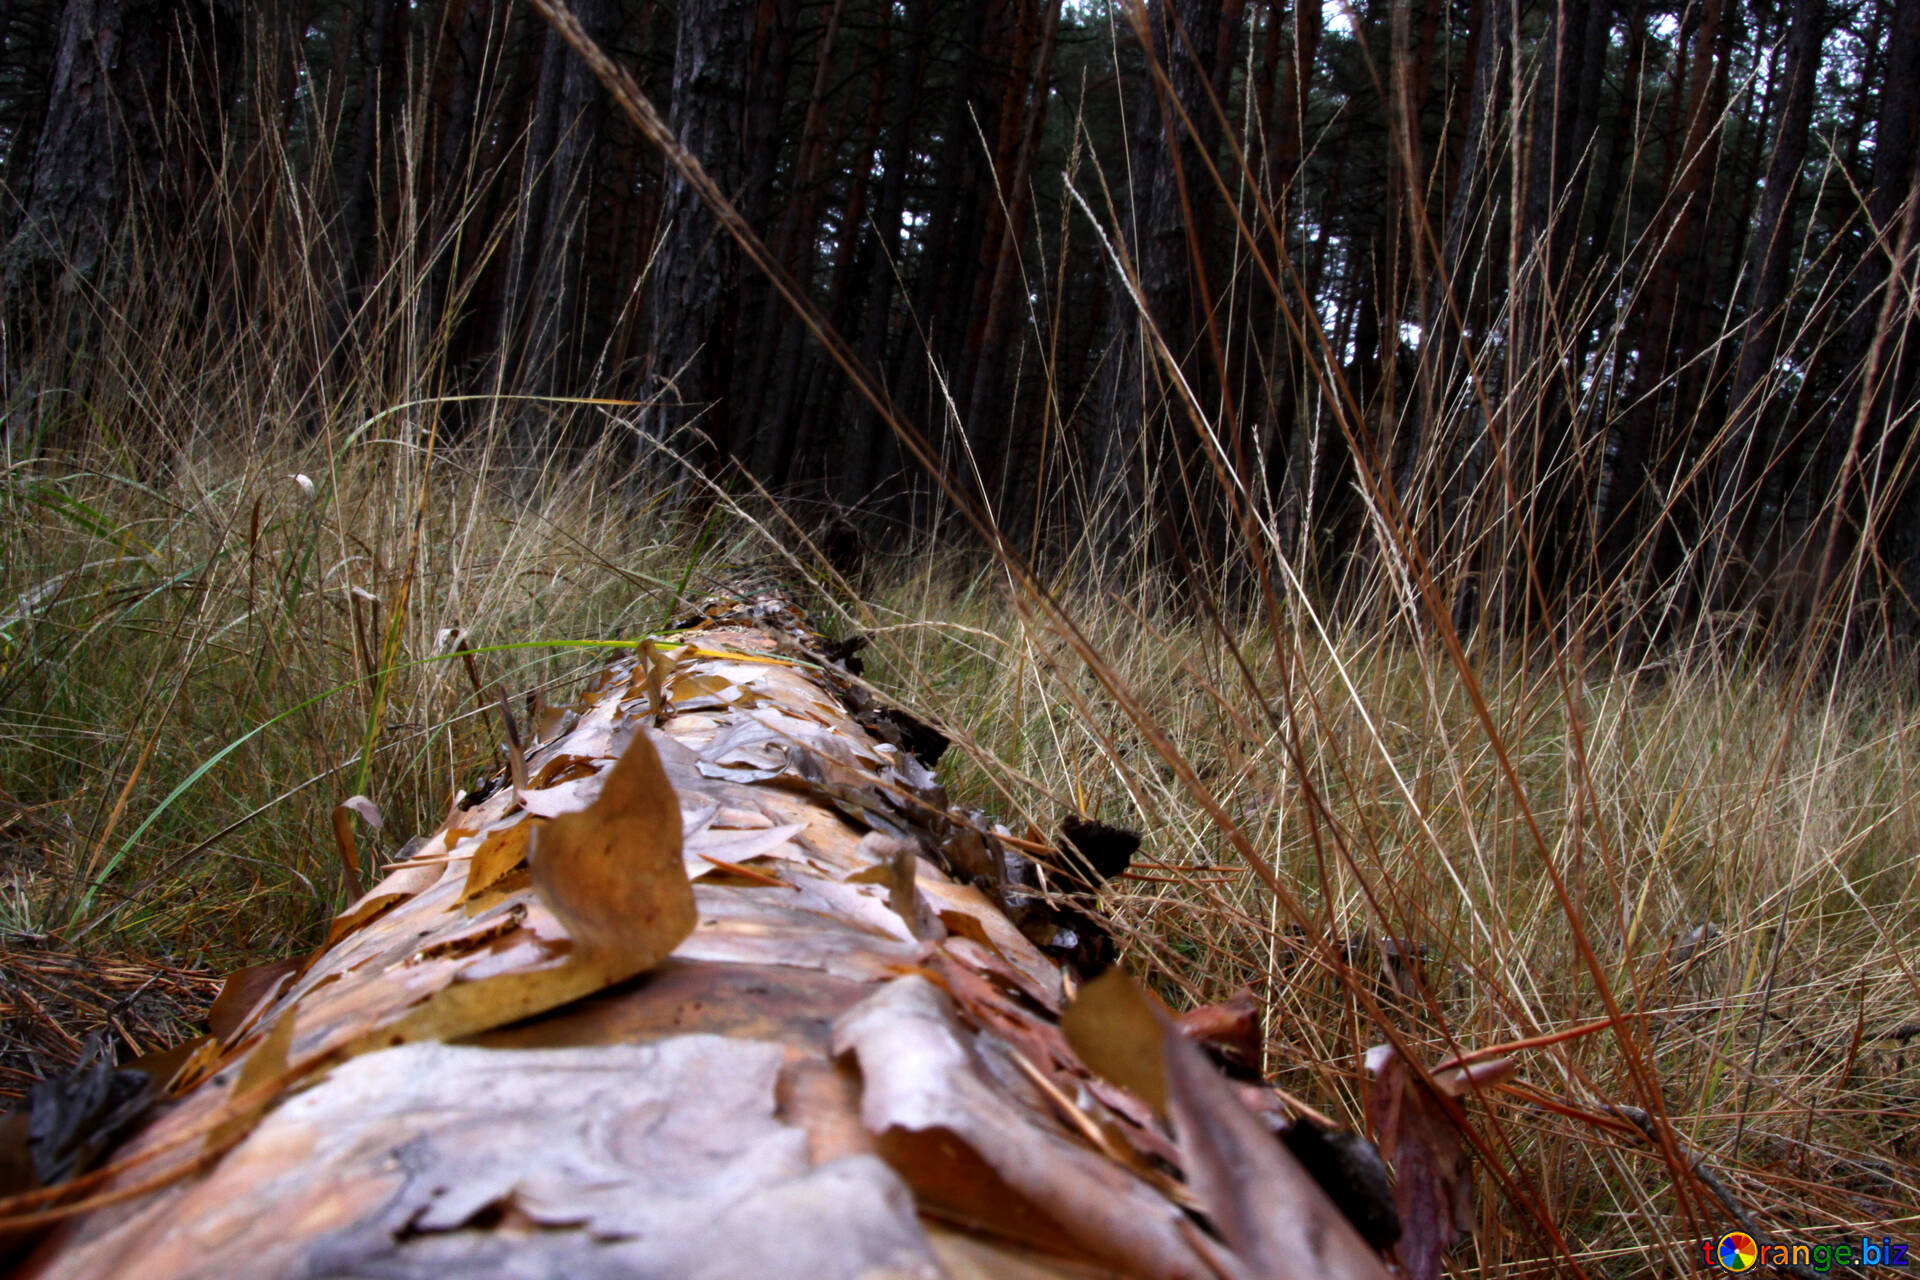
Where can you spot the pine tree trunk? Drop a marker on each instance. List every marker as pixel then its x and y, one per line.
pixel 1749 452
pixel 127 75
pixel 695 272
pixel 838 1056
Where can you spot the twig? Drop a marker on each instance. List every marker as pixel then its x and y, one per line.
pixel 1707 1178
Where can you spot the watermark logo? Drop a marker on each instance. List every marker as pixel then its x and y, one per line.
pixel 1737 1251
pixel 1740 1251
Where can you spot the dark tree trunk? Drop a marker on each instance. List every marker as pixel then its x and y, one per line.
pixel 696 272
pixel 471 52
pixel 135 110
pixel 1654 334
pixel 29 39
pixel 551 356
pixel 1138 429
pixel 873 458
pixel 946 263
pixel 382 84
pixel 776 356
pixel 1749 450
pixel 1885 394
pixel 986 405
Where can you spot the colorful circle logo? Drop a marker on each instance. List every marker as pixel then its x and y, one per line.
pixel 1737 1251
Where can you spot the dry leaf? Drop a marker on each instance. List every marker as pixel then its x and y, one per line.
pixel 343 833
pixel 1116 1031
pixel 246 991
pixel 252 1092
pixel 903 893
pixel 503 849
pixel 612 872
pixel 1432 1169
pixel 1277 1219
pixel 968 1149
pixel 1232 1029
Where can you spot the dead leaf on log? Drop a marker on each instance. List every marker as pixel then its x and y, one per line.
pixel 503 849
pixel 966 1148
pixel 612 872
pixel 1432 1169
pixel 260 1070
pixel 246 992
pixel 1276 1218
pixel 1230 1030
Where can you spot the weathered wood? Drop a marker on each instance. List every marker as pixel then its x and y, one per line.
pixel 852 1066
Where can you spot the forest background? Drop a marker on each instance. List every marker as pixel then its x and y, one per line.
pixel 1459 457
pixel 1590 309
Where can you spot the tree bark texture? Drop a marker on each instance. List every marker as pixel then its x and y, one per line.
pixel 123 70
pixel 853 1064
pixel 695 273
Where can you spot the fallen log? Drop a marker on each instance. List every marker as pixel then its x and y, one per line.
pixel 719 985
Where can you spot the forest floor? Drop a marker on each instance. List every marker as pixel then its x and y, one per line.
pixel 1686 886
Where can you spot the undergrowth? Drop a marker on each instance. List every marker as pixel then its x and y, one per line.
pixel 241 581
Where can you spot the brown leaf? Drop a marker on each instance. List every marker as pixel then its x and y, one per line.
pixel 253 1091
pixel 502 851
pixel 246 990
pixel 975 1156
pixel 612 872
pixel 903 894
pixel 1433 1174
pixel 343 833
pixel 1116 1031
pixel 1277 1220
pixel 164 1066
pixel 1231 1029
pixel 652 666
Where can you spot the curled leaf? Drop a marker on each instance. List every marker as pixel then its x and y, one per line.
pixel 1433 1174
pixel 343 833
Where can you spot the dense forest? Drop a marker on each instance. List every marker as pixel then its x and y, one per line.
pixel 1588 313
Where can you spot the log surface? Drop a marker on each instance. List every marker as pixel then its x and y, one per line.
pixel 852 1066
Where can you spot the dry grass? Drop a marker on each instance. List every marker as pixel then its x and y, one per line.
pixel 1706 863
pixel 1735 848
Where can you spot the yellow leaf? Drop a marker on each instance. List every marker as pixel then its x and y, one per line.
pixel 499 853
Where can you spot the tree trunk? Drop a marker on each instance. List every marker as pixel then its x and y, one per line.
pixel 535 1048
pixel 1749 450
pixel 1142 460
pixel 135 109
pixel 383 81
pixel 873 460
pixel 986 404
pixel 695 274
pixel 1626 533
